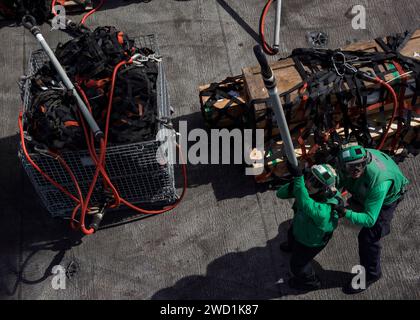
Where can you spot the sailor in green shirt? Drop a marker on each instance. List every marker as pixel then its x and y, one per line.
pixel 377 184
pixel 313 223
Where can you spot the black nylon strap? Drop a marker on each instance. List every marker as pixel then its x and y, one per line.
pixel 300 68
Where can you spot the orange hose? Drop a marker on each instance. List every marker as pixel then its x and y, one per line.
pixel 83 203
pixel 79 200
pixel 266 47
pixel 92 12
pixel 401 105
pixel 102 163
pixel 85 17
pixel 54 2
pixel 394 113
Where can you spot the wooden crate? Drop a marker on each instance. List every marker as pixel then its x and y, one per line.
pixel 288 77
pixel 278 167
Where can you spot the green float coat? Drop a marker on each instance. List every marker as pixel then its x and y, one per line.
pixel 381 184
pixel 312 220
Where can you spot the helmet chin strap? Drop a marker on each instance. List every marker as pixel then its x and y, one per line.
pixel 315 192
pixel 324 192
pixel 350 173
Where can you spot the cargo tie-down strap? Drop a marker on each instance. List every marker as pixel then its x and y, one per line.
pixel 229 91
pixel 335 80
pixel 90 61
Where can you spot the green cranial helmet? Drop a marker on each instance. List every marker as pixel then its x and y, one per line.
pixel 325 174
pixel 353 159
pixel 353 154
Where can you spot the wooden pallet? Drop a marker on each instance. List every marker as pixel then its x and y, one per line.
pixel 279 169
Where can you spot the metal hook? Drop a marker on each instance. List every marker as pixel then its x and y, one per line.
pixel 45 152
pixel 341 74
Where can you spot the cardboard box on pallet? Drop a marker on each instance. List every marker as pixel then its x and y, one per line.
pixel 224 104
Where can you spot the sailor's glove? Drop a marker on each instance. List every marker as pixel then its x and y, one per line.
pixel 294 171
pixel 340 209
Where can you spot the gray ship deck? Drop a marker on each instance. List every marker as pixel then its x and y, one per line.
pixel 222 242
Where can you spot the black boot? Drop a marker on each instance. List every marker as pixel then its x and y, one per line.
pixel 307 285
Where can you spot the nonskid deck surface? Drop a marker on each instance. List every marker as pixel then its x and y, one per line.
pixel 223 240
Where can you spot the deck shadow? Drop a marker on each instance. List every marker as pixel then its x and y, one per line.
pixel 26 229
pixel 252 274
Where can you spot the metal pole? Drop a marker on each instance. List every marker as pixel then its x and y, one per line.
pixel 276 45
pixel 29 23
pixel 271 85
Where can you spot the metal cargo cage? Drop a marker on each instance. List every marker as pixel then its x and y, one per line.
pixel 133 168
